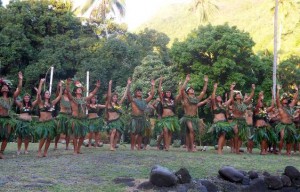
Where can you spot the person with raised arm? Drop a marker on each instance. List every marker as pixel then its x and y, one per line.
pixel 190 121
pixel 78 119
pixel 169 122
pixel 239 108
pixel 263 131
pixel 286 127
pixel 24 123
pixel 138 119
pixel 221 127
pixel 63 117
pixel 6 101
pixel 45 127
pixel 95 123
pixel 114 112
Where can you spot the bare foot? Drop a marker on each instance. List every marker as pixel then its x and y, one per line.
pixel 26 152
pixel 18 152
pixel 1 156
pixel 39 154
pixel 45 155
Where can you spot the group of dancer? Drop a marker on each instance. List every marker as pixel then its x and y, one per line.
pixel 78 116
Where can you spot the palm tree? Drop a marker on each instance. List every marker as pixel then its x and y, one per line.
pixel 205 8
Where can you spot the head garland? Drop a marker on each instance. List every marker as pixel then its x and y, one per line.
pixel 237 92
pixel 188 88
pixel 285 96
pixel 6 82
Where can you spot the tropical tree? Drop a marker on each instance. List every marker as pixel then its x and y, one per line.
pixel 205 9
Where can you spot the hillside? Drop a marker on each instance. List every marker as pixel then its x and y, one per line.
pixel 253 16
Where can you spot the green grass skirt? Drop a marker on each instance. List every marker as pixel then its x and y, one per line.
pixel 5 132
pixel 117 124
pixel 195 123
pixel 138 125
pixel 45 129
pixel 63 124
pixel 243 129
pixel 24 129
pixel 290 134
pixel 95 124
pixel 171 123
pixel 264 133
pixel 221 127
pixel 79 126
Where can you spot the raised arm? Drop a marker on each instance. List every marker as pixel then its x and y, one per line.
pixel 59 95
pixel 149 98
pixel 129 97
pixel 39 90
pixel 179 96
pixel 182 92
pixel 160 89
pixel 204 88
pixel 295 97
pixel 248 100
pixel 227 103
pixel 94 91
pixel 68 89
pixel 213 96
pixel 126 90
pixel 277 97
pixel 19 88
pixel 203 102
pixel 269 109
pixel 109 92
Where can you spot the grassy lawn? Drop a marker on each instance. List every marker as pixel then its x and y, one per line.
pixel 96 168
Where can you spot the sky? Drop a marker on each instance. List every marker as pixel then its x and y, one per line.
pixel 138 11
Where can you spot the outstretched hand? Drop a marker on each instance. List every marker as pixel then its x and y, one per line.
pixel 98 83
pixel 42 80
pixel 188 77
pixel 278 87
pixel 110 82
pixel 129 81
pixel 216 85
pixel 20 75
pixel 253 86
pixel 232 86
pixel 205 78
pixel 152 82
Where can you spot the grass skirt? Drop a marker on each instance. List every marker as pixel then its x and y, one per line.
pixel 5 122
pixel 95 124
pixel 139 124
pixel 79 126
pixel 243 129
pixel 117 124
pixel 171 123
pixel 221 127
pixel 264 133
pixel 290 135
pixel 45 129
pixel 195 123
pixel 24 128
pixel 63 125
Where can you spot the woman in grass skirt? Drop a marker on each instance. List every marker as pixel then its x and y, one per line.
pixel 222 129
pixel 263 131
pixel 45 127
pixel 169 121
pixel 24 130
pixel 95 123
pixel 115 125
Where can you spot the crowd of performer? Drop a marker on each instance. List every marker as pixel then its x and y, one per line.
pixel 235 120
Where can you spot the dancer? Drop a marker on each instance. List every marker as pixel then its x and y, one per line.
pixel 6 102
pixel 95 123
pixel 263 132
pixel 190 121
pixel 169 122
pixel 286 127
pixel 138 119
pixel 78 119
pixel 241 128
pixel 221 127
pixel 24 123
pixel 45 128
pixel 114 112
pixel 62 119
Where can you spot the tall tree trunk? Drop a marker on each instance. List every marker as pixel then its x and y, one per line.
pixel 275 47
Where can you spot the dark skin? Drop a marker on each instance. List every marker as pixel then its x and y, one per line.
pixel 4 111
pixel 137 112
pixel 285 118
pixel 78 141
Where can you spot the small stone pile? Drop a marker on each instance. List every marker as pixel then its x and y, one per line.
pixel 229 179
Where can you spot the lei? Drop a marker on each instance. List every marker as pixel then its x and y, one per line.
pixel 240 107
pixel 193 100
pixel 5 104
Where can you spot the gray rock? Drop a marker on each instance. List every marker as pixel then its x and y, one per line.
pixel 211 187
pixel 289 189
pixel 296 182
pixel 257 185
pixel 266 174
pixel 291 172
pixel 274 182
pixel 286 181
pixel 162 177
pixel 183 176
pixel 231 174
pixel 253 174
pixel 246 181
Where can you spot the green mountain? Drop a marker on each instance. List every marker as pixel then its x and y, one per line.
pixel 253 16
